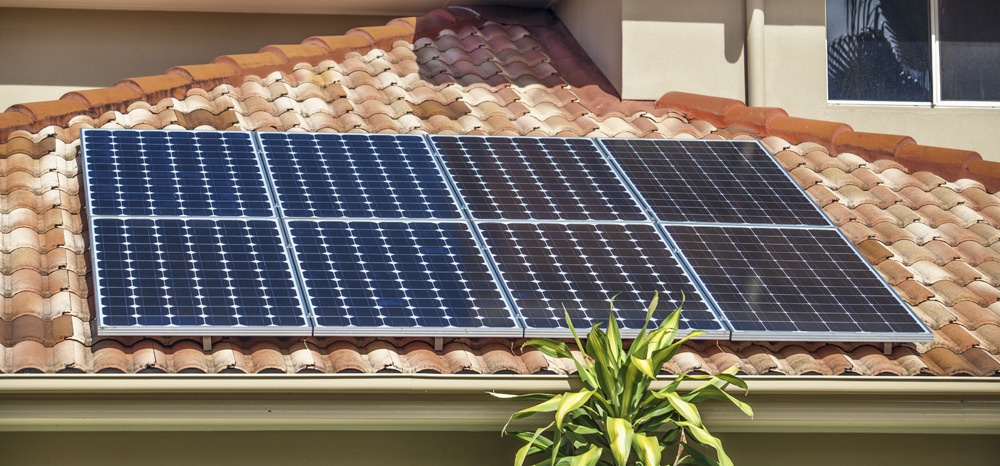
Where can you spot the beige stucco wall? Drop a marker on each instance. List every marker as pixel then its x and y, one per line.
pixel 46 53
pixel 647 46
pixel 678 45
pixel 795 37
pixel 667 44
pixel 308 448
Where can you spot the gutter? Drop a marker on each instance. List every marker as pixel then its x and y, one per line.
pixel 156 402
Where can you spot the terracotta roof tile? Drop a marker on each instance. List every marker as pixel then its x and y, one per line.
pixel 934 235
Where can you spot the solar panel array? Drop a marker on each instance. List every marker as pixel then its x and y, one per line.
pixel 359 234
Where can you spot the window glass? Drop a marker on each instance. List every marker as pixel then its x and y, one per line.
pixel 969 44
pixel 878 50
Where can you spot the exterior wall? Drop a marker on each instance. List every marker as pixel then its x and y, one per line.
pixel 647 47
pixel 795 44
pixel 651 47
pixel 668 45
pixel 454 448
pixel 47 53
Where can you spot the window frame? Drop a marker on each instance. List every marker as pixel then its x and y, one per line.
pixel 936 100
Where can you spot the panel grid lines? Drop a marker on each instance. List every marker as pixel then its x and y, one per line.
pixel 392 274
pixel 548 267
pixel 235 233
pixel 327 175
pixel 174 173
pixel 713 182
pixel 535 179
pixel 194 273
pixel 781 280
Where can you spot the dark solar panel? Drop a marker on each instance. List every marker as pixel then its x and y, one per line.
pixel 713 182
pixel 356 176
pixel 535 179
pixel 420 276
pixel 789 283
pixel 549 267
pixel 174 173
pixel 208 276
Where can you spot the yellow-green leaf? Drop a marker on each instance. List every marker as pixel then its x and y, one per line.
pixel 648 448
pixel 702 436
pixel 570 402
pixel 546 406
pixel 687 410
pixel 620 437
pixel 522 453
pixel 588 458
pixel 644 365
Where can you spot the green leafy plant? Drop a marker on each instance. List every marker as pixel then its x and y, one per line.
pixel 616 418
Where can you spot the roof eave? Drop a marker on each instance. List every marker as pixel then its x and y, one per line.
pixel 460 402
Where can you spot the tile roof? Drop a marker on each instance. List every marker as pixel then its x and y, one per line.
pixel 926 217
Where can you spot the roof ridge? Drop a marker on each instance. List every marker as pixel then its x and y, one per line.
pixel 950 164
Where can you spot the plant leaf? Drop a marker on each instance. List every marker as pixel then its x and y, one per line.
pixel 620 437
pixel 546 406
pixel 696 456
pixel 716 393
pixel 587 458
pixel 702 436
pixel 570 402
pixel 648 449
pixel 687 410
pixel 522 453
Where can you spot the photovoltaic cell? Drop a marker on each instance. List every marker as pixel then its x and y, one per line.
pixel 535 179
pixel 174 173
pixel 356 176
pixel 194 273
pixel 792 282
pixel 549 267
pixel 392 275
pixel 713 182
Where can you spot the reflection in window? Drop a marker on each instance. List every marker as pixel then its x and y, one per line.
pixel 878 50
pixel 970 49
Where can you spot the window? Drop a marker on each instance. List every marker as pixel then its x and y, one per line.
pixel 913 51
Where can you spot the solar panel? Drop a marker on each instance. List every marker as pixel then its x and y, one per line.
pixel 713 182
pixel 194 276
pixel 535 179
pixel 794 283
pixel 356 176
pixel 548 267
pixel 198 233
pixel 174 173
pixel 379 277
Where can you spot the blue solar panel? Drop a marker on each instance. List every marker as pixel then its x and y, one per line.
pixel 549 267
pixel 356 176
pixel 174 173
pixel 384 276
pixel 188 240
pixel 713 181
pixel 503 178
pixel 195 276
pixel 794 283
